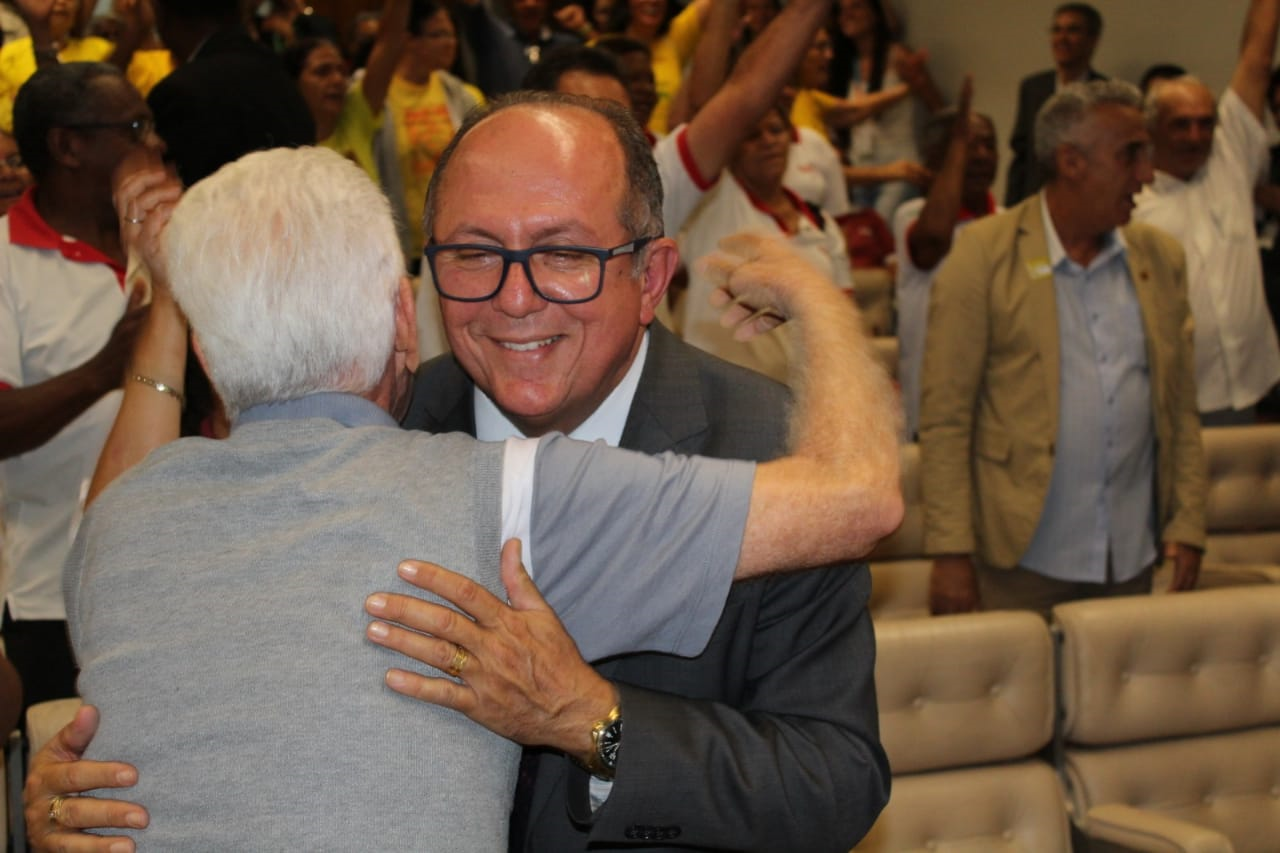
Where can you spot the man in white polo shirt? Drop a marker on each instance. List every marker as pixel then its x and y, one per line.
pixel 66 330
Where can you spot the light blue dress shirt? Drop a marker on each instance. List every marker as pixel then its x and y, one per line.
pixel 1098 523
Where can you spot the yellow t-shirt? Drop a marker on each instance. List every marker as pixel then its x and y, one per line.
pixel 352 137
pixel 809 109
pixel 423 129
pixel 670 54
pixel 18 63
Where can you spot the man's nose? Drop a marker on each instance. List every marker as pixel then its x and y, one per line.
pixel 517 297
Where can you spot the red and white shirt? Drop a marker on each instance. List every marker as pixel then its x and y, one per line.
pixel 59 301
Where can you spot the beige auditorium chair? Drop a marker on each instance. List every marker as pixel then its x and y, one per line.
pixel 1171 719
pixel 899 569
pixel 1242 513
pixel 965 703
pixel 873 292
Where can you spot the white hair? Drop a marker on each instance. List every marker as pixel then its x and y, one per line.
pixel 286 263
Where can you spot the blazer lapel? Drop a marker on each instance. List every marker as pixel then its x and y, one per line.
pixel 441 398
pixel 1149 302
pixel 667 412
pixel 1035 274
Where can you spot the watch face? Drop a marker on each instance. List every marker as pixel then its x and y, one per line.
pixel 610 740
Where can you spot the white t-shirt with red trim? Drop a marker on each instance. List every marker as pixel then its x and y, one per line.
pixel 711 210
pixel 59 301
pixel 911 298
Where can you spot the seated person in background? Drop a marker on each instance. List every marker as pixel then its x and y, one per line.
pixel 960 147
pixel 781 722
pixel 55 27
pixel 316 488
pixel 347 115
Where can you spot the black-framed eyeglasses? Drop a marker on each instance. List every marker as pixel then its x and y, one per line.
pixel 475 272
pixel 141 128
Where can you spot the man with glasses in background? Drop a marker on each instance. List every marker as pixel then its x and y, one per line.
pixel 67 324
pixel 1073 37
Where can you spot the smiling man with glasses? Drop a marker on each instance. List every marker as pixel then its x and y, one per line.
pixel 546 249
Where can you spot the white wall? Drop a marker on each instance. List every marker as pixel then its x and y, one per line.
pixel 1001 41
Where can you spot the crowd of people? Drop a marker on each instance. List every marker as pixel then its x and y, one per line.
pixel 232 235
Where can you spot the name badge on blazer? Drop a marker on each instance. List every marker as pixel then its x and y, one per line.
pixel 1039 268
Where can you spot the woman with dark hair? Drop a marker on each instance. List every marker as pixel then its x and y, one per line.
pixel 346 115
pixel 671 39
pixel 868 59
pixel 821 111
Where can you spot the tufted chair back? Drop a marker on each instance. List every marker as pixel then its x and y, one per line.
pixel 965 703
pixel 1171 718
pixel 1242 513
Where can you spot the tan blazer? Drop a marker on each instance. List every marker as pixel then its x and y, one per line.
pixel 989 396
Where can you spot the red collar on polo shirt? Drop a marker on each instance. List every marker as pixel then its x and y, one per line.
pixel 28 228
pixel 966 214
pixel 798 203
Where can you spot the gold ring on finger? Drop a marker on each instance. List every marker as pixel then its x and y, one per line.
pixel 55 809
pixel 459 661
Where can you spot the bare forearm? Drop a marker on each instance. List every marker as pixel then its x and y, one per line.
pixel 710 59
pixel 393 34
pixel 1257 46
pixel 147 418
pixel 930 239
pixel 842 472
pixel 753 87
pixel 29 417
pixel 849 111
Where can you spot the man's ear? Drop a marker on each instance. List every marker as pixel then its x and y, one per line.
pixel 64 146
pixel 662 259
pixel 406 344
pixel 1069 161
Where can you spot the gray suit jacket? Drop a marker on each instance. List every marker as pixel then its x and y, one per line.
pixel 769 740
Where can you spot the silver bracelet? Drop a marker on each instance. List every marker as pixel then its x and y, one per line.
pixel 162 388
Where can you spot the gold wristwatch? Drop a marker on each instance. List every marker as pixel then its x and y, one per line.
pixel 606 737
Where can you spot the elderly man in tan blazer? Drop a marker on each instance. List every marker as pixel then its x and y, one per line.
pixel 1058 431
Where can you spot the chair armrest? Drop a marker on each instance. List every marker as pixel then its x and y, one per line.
pixel 1136 829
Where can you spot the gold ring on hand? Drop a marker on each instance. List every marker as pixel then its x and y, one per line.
pixel 137 221
pixel 55 809
pixel 459 661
